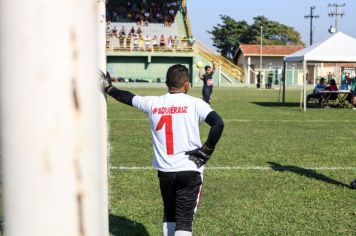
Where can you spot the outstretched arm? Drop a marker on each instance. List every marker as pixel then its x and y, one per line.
pixel 120 95
pixel 200 74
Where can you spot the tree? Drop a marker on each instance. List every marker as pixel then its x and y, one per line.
pixel 226 36
pixel 231 33
pixel 274 33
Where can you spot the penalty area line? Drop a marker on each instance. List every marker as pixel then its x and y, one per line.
pixel 249 121
pixel 245 168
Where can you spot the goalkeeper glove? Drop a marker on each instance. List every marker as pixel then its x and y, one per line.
pixel 200 155
pixel 105 81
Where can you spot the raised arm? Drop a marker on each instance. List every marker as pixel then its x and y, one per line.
pixel 214 66
pixel 120 95
pixel 200 74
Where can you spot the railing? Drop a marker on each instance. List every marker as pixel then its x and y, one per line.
pixel 132 44
pixel 227 66
pixel 186 18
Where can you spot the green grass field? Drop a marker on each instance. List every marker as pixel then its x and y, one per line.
pixel 283 171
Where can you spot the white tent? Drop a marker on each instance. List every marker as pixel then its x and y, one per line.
pixel 338 48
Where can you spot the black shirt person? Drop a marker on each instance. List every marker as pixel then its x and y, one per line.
pixel 259 78
pixel 208 82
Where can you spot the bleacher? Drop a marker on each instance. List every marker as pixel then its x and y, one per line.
pixel 146 25
pixel 153 29
pixel 155 43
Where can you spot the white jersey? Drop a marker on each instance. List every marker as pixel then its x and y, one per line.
pixel 174 120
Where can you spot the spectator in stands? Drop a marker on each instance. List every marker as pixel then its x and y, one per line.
pixel 135 41
pixel 175 42
pixel 115 16
pixel 108 30
pixel 166 20
pixel 114 32
pixel 146 19
pixel 129 41
pixel 159 17
pixel 184 43
pixel 141 42
pixel 139 31
pixel 122 36
pixel 162 41
pixel 132 31
pixel 170 42
pixel 155 42
pixel 170 20
pixel 138 19
pixel 122 32
pixel 147 42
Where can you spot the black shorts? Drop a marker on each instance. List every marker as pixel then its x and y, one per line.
pixel 208 90
pixel 181 194
pixel 353 93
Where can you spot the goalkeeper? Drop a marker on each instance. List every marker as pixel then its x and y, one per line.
pixel 178 154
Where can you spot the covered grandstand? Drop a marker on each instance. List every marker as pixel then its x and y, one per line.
pixel 145 37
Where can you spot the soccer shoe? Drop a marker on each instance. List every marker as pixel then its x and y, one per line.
pixel 353 184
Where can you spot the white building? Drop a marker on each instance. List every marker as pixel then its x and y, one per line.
pixel 249 57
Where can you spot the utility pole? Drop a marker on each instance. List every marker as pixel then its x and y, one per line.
pixel 336 13
pixel 311 16
pixel 261 52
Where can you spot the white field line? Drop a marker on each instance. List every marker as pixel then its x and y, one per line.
pixel 253 121
pixel 129 168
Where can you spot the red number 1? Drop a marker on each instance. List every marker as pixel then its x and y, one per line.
pixel 167 121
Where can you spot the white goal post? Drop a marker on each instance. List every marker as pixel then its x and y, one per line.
pixel 53 140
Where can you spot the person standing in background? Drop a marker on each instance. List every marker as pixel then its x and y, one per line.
pixel 352 96
pixel 208 81
pixel 259 79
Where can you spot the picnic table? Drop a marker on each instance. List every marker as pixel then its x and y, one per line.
pixel 341 97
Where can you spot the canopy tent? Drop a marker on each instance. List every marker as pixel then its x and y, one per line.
pixel 338 48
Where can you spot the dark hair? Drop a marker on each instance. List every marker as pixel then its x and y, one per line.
pixel 332 82
pixel 176 76
pixel 207 67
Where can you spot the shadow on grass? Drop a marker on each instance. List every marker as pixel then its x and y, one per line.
pixel 277 104
pixel 307 173
pixel 121 226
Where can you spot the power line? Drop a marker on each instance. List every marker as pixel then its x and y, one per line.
pixel 336 13
pixel 311 16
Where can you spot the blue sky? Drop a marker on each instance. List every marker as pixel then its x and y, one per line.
pixel 205 14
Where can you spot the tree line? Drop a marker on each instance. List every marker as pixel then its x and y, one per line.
pixel 231 33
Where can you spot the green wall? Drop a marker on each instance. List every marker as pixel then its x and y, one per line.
pixel 144 67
